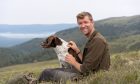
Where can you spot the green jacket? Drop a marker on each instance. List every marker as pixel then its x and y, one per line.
pixel 96 54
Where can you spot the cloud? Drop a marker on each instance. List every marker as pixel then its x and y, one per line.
pixel 63 11
pixel 24 36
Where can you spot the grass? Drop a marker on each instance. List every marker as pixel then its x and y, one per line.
pixel 125 69
pixel 7 73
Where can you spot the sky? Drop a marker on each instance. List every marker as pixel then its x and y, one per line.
pixel 63 11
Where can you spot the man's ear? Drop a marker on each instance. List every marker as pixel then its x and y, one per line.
pixel 58 41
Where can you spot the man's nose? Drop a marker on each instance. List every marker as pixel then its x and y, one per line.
pixel 82 25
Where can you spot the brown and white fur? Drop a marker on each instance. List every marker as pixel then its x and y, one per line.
pixel 61 49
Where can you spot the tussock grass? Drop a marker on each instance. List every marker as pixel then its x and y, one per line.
pixel 125 69
pixel 7 73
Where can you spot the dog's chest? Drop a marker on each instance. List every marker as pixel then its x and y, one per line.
pixel 62 50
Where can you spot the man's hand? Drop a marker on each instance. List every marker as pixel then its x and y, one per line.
pixel 73 45
pixel 70 59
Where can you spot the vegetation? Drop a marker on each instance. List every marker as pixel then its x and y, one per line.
pixel 124 70
pixel 123 34
pixel 7 73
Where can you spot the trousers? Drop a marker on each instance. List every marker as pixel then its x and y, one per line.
pixel 59 74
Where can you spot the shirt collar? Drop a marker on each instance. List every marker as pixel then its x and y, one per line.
pixel 93 35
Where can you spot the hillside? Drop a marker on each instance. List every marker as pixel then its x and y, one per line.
pixel 119 26
pixel 125 44
pixel 6 57
pixel 124 70
pixel 33 28
pixel 123 34
pixel 9 33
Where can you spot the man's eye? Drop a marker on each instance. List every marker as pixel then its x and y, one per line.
pixel 85 22
pixel 79 23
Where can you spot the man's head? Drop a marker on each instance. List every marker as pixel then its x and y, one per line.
pixel 86 23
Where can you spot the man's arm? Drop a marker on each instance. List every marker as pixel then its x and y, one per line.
pixel 71 60
pixel 73 45
pixel 92 59
pixel 94 56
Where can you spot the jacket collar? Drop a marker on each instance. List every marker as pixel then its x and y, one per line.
pixel 93 35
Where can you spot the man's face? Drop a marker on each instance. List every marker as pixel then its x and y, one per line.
pixel 86 26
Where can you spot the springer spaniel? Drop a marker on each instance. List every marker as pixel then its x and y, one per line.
pixel 61 49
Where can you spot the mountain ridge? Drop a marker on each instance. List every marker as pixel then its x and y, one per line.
pixel 8 31
pixel 122 38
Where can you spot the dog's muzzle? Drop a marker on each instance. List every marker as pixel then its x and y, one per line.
pixel 44 44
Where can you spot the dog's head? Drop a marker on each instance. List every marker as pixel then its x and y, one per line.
pixel 51 41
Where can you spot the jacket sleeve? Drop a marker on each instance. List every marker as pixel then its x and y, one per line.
pixel 94 56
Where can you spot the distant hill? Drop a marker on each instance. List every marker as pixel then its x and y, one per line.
pixel 10 57
pixel 34 28
pixel 123 34
pixel 8 42
pixel 28 29
pixel 119 26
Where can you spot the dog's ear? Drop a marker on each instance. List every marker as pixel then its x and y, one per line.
pixel 48 41
pixel 58 41
pixel 53 44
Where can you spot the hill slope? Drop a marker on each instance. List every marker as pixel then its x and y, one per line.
pixel 124 70
pixel 9 33
pixel 123 34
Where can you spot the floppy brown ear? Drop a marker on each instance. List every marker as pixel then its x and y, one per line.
pixel 58 41
pixel 48 41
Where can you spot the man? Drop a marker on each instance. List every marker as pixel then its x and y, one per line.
pixel 94 58
pixel 96 53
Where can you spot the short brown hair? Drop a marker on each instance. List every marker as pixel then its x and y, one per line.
pixel 83 14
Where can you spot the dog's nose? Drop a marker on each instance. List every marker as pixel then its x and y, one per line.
pixel 42 43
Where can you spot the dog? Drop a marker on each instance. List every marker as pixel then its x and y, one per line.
pixel 60 47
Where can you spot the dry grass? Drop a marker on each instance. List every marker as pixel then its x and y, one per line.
pixel 125 69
